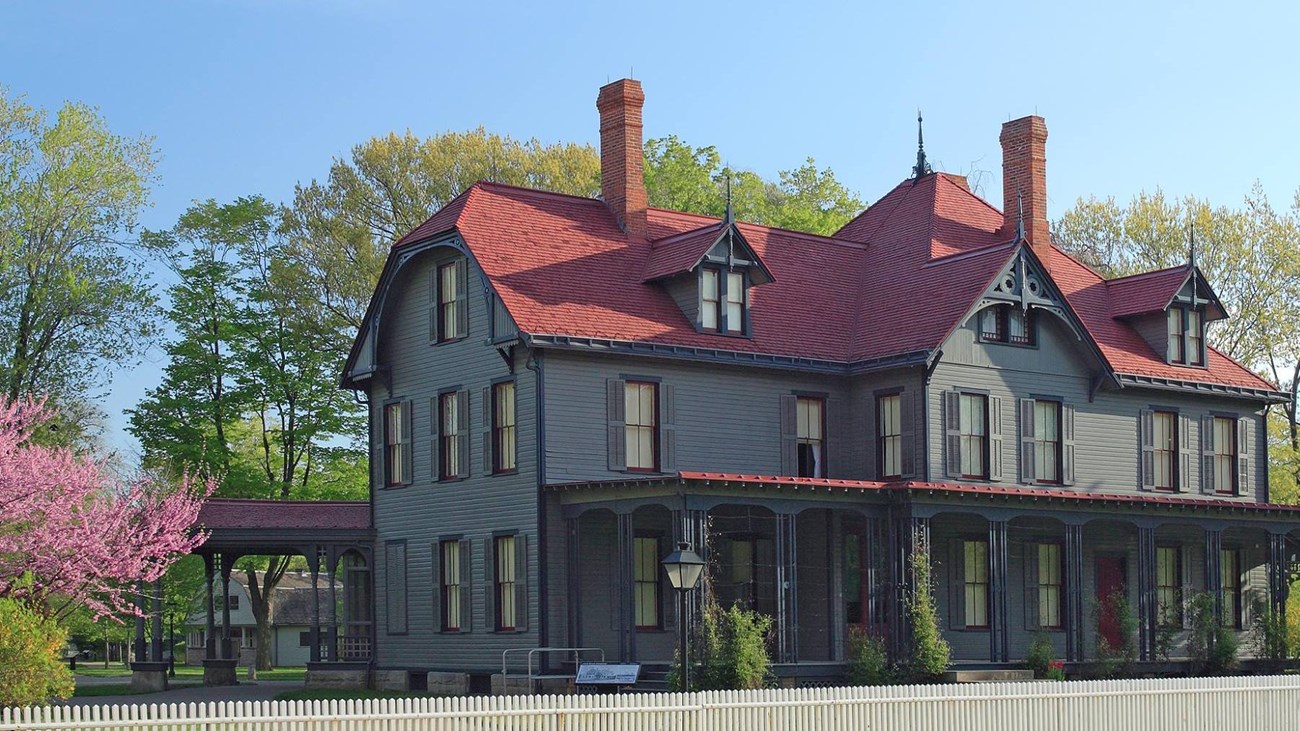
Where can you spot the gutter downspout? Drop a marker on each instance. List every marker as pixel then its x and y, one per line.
pixel 534 363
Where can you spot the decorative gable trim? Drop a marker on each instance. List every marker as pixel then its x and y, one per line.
pixel 1024 283
pixel 728 249
pixel 1196 292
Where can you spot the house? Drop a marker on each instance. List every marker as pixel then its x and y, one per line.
pixel 562 388
pixel 291 622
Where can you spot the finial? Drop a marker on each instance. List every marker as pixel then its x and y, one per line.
pixel 1020 216
pixel 922 166
pixel 1191 245
pixel 729 216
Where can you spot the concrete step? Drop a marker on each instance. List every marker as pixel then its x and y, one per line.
pixel 988 676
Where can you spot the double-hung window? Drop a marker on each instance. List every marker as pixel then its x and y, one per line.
pixel 973 426
pixel 450 598
pixel 722 301
pixel 1186 327
pixel 645 577
pixel 1047 441
pixel 640 409
pixel 735 302
pixel 1224 459
pixel 1165 439
pixel 710 299
pixel 811 447
pixel 449 466
pixel 397 444
pixel 505 583
pixel 449 317
pixel 1050 585
pixel 889 431
pixel 1169 592
pixel 975 573
pixel 1230 587
pixel 503 427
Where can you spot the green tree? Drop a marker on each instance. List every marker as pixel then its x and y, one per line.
pixel 1251 258
pixel 74 299
pixel 31 651
pixel 931 653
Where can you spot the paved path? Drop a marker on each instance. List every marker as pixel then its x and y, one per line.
pixel 259 690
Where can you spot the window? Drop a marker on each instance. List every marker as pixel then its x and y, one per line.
pixel 1230 587
pixel 505 583
pixel 396 444
pixel 889 430
pixel 1165 435
pixel 395 586
pixel 449 581
pixel 1186 329
pixel 1006 324
pixel 449 315
pixel 503 427
pixel 1224 459
pixel 1049 585
pixel 304 639
pixel 1047 441
pixel 710 300
pixel 1169 592
pixel 735 302
pixel 640 419
pixel 976 576
pixel 232 601
pixel 811 438
pixel 973 426
pixel 645 576
pixel 449 466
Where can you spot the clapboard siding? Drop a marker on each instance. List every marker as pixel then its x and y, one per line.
pixel 728 418
pixel 1155 330
pixel 427 510
pixel 1106 439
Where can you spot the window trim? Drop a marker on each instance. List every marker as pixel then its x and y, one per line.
pixel 443 596
pixel 654 426
pixel 1060 440
pixel 656 580
pixel 1002 326
pixel 1174 476
pixel 1176 620
pixel 402 445
pixel 440 306
pixel 723 326
pixel 498 585
pixel 1232 615
pixel 1184 335
pixel 1233 457
pixel 498 430
pixel 881 447
pixel 443 397
pixel 967 583
pixel 1060 587
pixel 821 399
pixel 984 438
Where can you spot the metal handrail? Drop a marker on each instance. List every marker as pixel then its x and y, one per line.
pixel 534 651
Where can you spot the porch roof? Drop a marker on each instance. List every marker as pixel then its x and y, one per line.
pixel 940 489
pixel 281 526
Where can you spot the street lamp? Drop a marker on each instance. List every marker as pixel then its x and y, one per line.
pixel 684 567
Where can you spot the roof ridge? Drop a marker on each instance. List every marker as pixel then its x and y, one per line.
pixel 680 235
pixel 537 191
pixel 1152 273
pixel 970 253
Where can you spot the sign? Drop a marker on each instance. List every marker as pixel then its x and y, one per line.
pixel 599 673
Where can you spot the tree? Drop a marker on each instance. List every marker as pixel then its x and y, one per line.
pixel 1251 258
pixel 73 300
pixel 72 533
pixel 31 649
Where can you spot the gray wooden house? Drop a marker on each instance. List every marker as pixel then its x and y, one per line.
pixel 560 388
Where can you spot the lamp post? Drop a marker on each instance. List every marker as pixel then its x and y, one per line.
pixel 684 567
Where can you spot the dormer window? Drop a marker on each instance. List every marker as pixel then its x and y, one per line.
pixel 722 301
pixel 1006 324
pixel 1186 327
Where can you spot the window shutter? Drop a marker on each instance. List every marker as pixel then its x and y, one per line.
pixel 1147 449
pixel 378 447
pixel 616 429
pixel 436 550
pixel 789 434
pixel 489 585
pixel 907 435
pixel 832 432
pixel 1207 455
pixel 407 441
pixel 995 438
pixel 952 433
pixel 1027 434
pixel 1245 481
pixel 1031 586
pixel 1067 444
pixel 435 444
pixel 466 585
pixel 521 583
pixel 462 301
pixel 956 583
pixel 486 429
pixel 667 428
pixel 462 424
pixel 1184 454
pixel 433 306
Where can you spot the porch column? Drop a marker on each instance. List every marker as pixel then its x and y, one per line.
pixel 835 529
pixel 210 626
pixel 331 575
pixel 787 589
pixel 227 652
pixel 1278 574
pixel 1214 570
pixel 998 591
pixel 141 609
pixel 1074 593
pixel 573 570
pixel 314 565
pixel 156 623
pixel 692 526
pixel 1147 607
pixel 625 610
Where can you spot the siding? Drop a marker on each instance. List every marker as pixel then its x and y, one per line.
pixel 1106 440
pixel 427 510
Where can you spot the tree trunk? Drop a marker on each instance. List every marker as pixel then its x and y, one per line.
pixel 261 598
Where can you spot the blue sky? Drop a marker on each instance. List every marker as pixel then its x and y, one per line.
pixel 251 97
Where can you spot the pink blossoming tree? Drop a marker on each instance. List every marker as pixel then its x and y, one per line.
pixel 72 533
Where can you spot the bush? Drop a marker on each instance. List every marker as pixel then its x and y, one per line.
pixel 868 660
pixel 730 650
pixel 1040 654
pixel 1116 662
pixel 31 663
pixel 1211 646
pixel 1268 634
pixel 930 651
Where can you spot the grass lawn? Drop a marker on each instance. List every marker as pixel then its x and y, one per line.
pixel 189 671
pixel 323 694
pixel 94 691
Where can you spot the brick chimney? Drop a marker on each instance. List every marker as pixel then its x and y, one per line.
pixel 622 177
pixel 1024 181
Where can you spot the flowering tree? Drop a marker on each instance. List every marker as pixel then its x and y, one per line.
pixel 74 534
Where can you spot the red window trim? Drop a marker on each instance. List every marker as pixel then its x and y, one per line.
pixel 654 427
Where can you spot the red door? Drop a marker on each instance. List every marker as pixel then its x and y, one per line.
pixel 1110 581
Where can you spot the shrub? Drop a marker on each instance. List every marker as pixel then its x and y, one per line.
pixel 1040 654
pixel 1211 646
pixel 1116 661
pixel 1268 634
pixel 31 666
pixel 868 660
pixel 930 651
pixel 730 650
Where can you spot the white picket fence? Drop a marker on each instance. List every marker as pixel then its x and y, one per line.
pixel 1255 703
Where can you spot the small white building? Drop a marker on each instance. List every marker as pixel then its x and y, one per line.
pixel 290 621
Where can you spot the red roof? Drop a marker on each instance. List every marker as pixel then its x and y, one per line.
pixel 273 515
pixel 896 280
pixel 1144 293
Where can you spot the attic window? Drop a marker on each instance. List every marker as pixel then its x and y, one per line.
pixel 1007 324
pixel 1186 336
pixel 722 301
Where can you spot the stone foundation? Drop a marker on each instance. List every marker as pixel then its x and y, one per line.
pixel 220 672
pixel 390 680
pixel 338 675
pixel 449 683
pixel 511 685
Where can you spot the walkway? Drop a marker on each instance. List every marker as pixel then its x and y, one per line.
pixel 255 690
